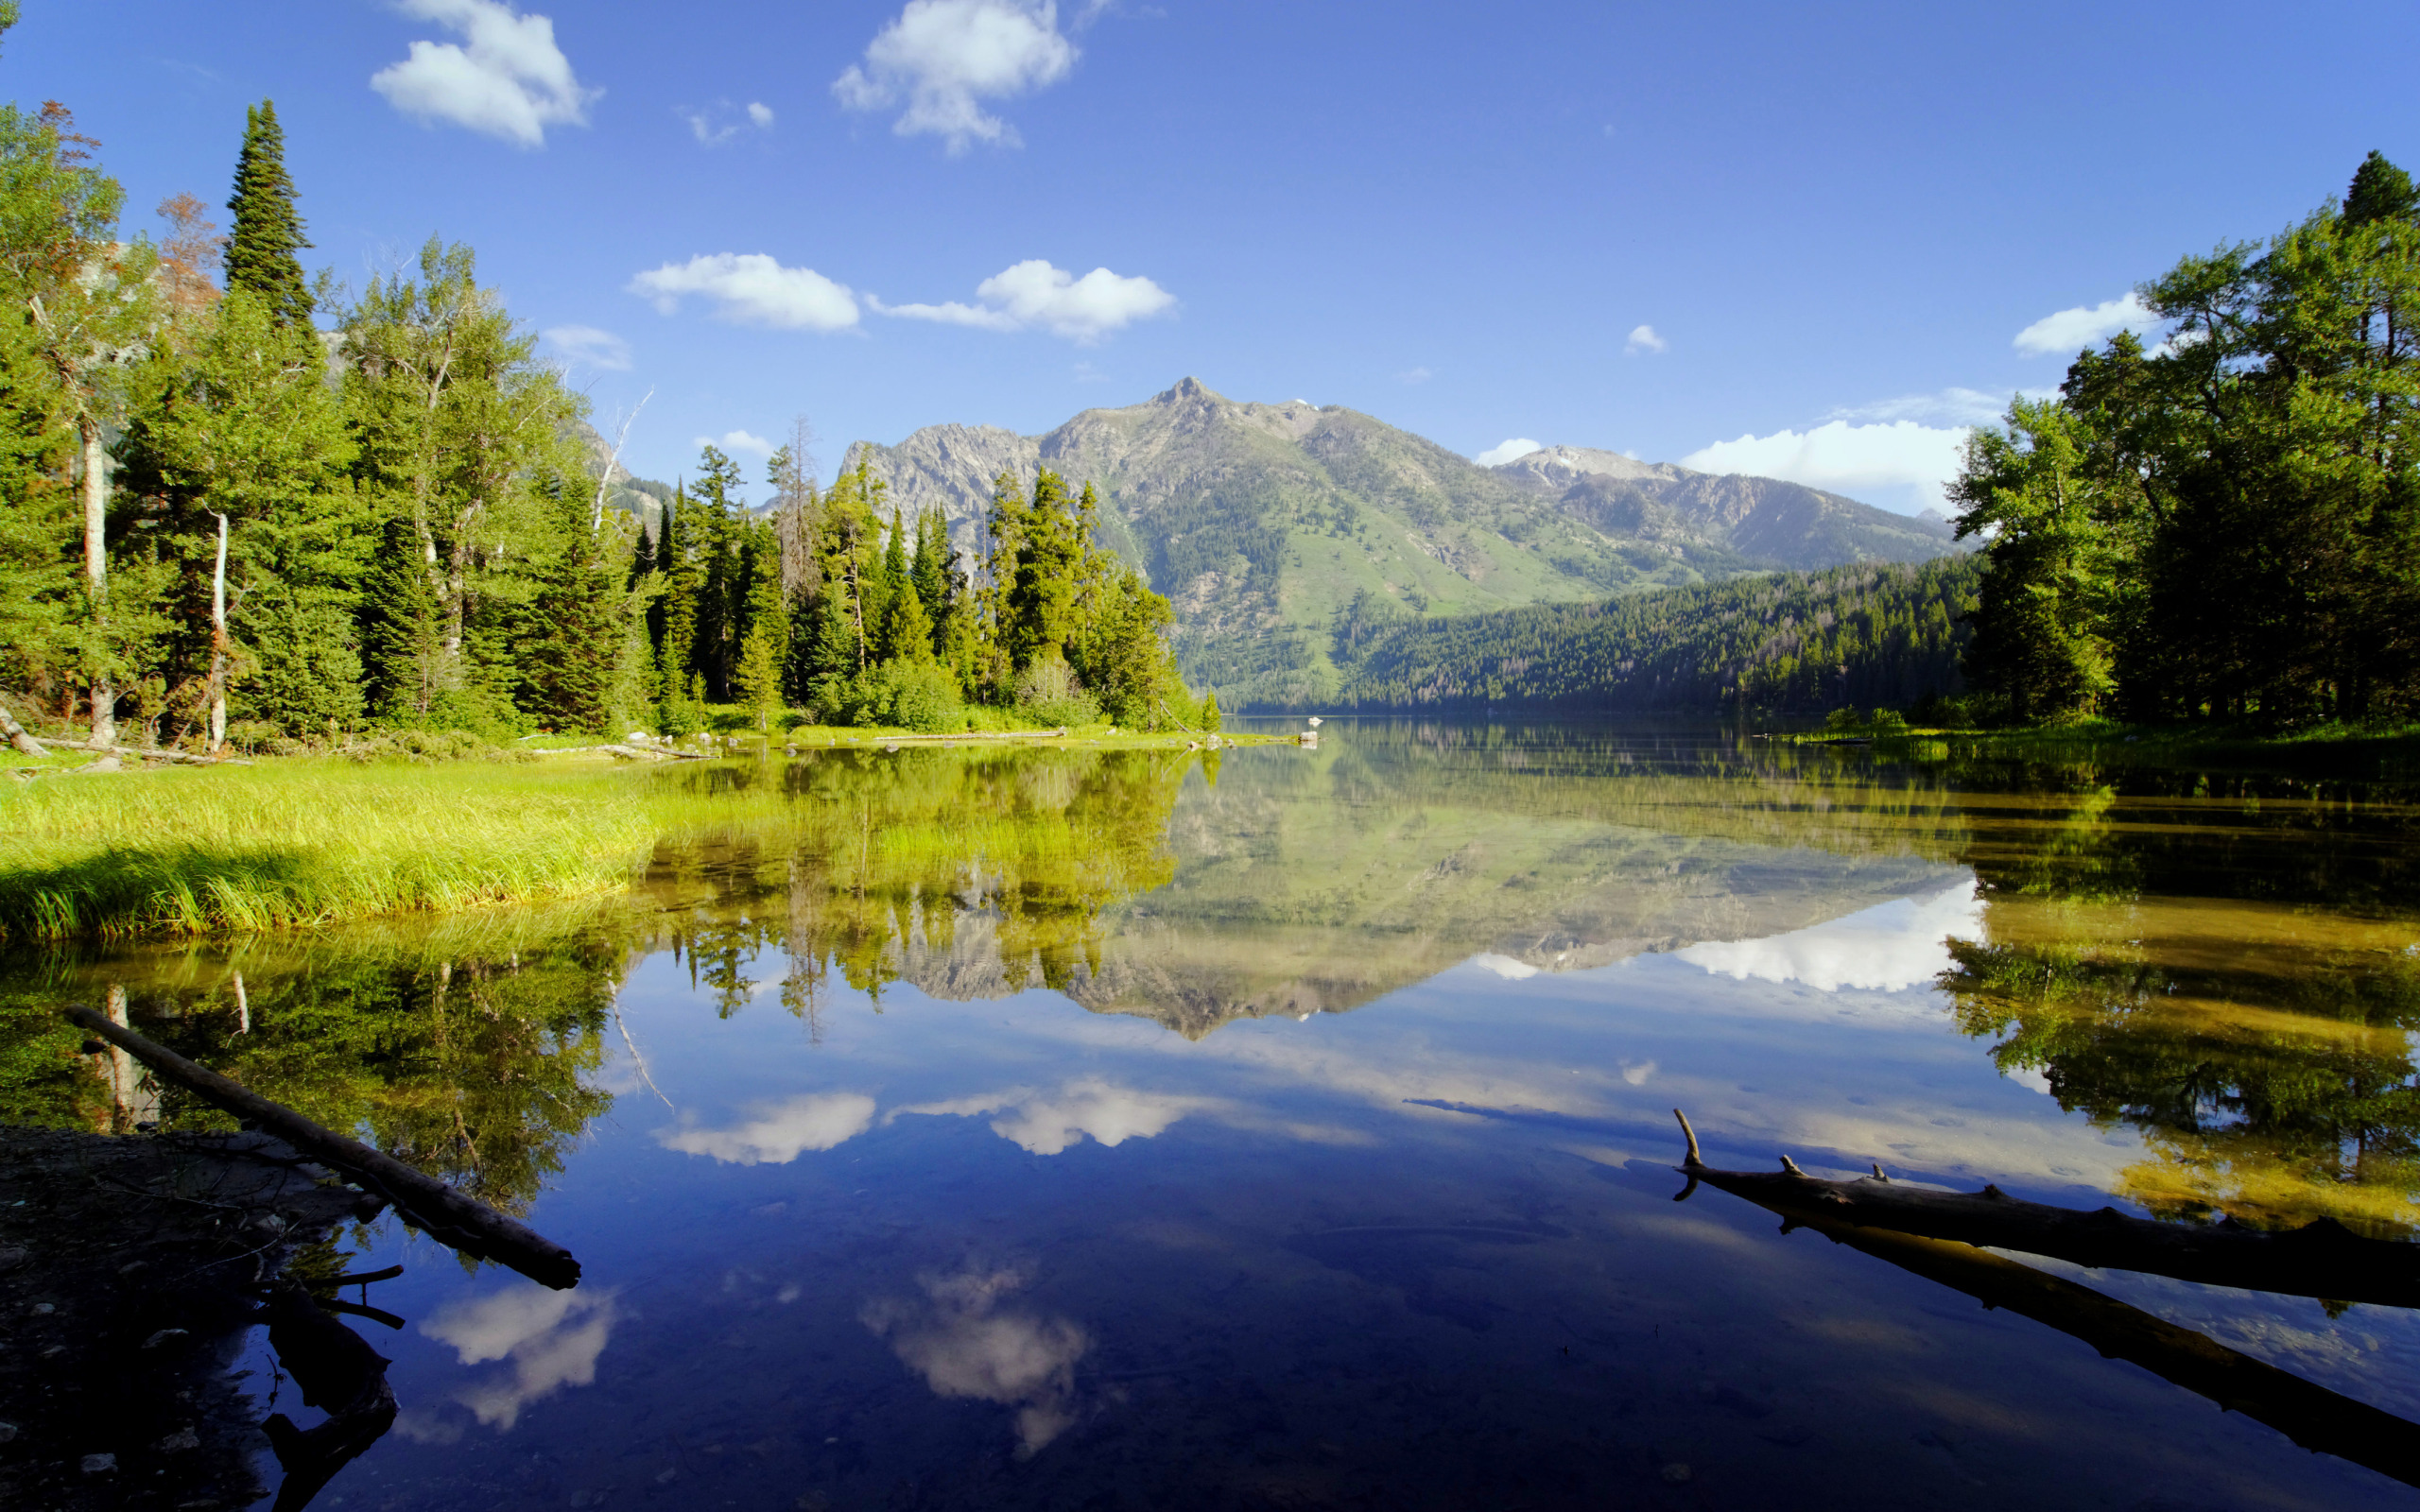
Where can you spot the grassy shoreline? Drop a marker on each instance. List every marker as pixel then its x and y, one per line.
pixel 2334 749
pixel 300 842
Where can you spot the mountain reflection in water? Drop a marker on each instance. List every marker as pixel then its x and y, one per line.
pixel 1286 1127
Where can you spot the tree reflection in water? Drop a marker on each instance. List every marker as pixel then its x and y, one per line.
pixel 2232 975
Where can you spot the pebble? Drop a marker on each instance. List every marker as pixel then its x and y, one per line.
pixel 161 1337
pixel 41 1309
pixel 7 1433
pixel 99 1463
pixel 183 1438
pixel 11 1256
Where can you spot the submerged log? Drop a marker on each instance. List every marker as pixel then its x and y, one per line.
pixel 2322 1259
pixel 431 1206
pixel 2313 1416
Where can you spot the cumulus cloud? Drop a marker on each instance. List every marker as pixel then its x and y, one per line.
pixel 552 1339
pixel 1886 947
pixel 589 345
pixel 1033 293
pixel 1643 338
pixel 1505 452
pixel 749 288
pixel 507 77
pixel 964 1344
pixel 760 116
pixel 1844 458
pixel 1051 1123
pixel 2071 331
pixel 738 441
pixel 780 1134
pixel 944 57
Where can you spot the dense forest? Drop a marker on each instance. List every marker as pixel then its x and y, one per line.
pixel 1878 635
pixel 2225 524
pixel 276 506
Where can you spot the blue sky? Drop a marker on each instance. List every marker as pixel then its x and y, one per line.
pixel 1797 240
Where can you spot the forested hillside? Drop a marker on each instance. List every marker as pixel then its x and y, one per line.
pixel 1262 522
pixel 1882 635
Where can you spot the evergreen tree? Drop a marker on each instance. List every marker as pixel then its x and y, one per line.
pixel 268 233
pixel 2380 190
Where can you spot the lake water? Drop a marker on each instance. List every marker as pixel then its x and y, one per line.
pixel 1294 1129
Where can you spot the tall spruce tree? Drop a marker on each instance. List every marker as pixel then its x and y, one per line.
pixel 267 233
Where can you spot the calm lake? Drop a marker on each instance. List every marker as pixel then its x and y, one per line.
pixel 1292 1128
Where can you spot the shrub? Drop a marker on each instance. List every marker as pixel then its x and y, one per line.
pixel 1048 692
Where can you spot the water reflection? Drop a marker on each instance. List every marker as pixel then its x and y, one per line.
pixel 964 1342
pixel 1886 947
pixel 547 1340
pixel 781 1133
pixel 1308 1104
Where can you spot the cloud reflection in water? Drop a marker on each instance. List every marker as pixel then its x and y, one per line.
pixel 551 1338
pixel 963 1346
pixel 781 1133
pixel 1048 1123
pixel 1888 948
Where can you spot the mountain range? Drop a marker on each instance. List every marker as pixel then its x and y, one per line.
pixel 1269 526
pixel 1278 529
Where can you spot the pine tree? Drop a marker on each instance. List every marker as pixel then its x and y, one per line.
pixel 2380 190
pixel 268 233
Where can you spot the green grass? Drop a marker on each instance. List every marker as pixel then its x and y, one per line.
pixel 192 852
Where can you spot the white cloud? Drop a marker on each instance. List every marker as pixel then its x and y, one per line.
pixel 1505 966
pixel 552 1339
pixel 752 290
pixel 2070 331
pixel 587 344
pixel 1051 1123
pixel 511 80
pixel 1505 452
pixel 1415 375
pixel 1886 947
pixel 779 1134
pixel 717 124
pixel 1034 293
pixel 944 57
pixel 1643 338
pixel 963 1346
pixel 739 442
pixel 1844 458
pixel 1951 406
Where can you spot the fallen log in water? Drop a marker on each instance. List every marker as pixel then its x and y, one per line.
pixel 2322 1259
pixel 445 1215
pixel 2313 1416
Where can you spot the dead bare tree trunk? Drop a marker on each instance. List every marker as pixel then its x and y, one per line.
pixel 605 479
pixel 96 577
pixel 218 644
pixel 24 744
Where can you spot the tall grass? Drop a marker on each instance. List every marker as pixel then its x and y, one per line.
pixel 200 851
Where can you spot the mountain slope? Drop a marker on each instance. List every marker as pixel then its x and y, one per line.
pixel 1273 528
pixel 1770 523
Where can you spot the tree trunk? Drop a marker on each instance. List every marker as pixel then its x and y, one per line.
pixel 218 644
pixel 97 578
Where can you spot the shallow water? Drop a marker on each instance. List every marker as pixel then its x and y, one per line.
pixel 1068 1131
